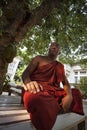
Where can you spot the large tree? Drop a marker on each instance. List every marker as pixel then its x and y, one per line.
pixel 40 21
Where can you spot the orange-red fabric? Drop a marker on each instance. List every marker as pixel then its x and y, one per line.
pixel 45 105
pixel 49 75
pixel 43 109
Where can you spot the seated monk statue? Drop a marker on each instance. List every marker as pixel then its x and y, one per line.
pixel 43 97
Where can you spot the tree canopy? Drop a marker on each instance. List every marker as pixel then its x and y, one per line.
pixel 65 24
pixel 43 21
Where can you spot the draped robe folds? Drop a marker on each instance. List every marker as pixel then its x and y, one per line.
pixel 45 105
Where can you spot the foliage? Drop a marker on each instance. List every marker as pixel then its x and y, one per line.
pixel 6 86
pixel 9 53
pixel 18 74
pixel 33 3
pixel 83 86
pixel 66 26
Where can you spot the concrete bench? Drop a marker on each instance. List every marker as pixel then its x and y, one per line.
pixel 68 121
pixel 14 118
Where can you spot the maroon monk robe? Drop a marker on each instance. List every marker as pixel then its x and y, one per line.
pixel 45 105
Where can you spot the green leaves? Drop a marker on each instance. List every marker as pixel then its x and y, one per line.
pixel 83 86
pixel 66 25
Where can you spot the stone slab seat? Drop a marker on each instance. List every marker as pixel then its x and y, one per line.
pixel 14 118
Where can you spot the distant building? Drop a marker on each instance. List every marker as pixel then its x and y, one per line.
pixel 12 67
pixel 74 73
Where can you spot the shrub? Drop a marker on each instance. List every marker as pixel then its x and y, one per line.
pixel 6 86
pixel 83 86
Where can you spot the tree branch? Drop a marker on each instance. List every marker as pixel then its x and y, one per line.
pixel 36 17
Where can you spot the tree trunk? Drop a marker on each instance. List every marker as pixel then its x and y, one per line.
pixel 3 69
